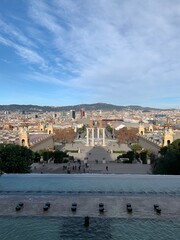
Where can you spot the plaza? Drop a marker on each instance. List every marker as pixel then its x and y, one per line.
pixel 93 160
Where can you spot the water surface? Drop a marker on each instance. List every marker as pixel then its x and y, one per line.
pixel 37 228
pixel 89 183
pixel 102 227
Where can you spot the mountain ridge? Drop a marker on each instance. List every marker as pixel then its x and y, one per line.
pixel 87 107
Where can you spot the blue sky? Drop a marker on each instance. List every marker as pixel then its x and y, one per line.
pixel 66 52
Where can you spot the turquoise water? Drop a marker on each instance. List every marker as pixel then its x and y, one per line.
pixel 86 183
pixel 35 228
pixel 102 228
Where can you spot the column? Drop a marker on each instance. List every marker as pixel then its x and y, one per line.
pixel 87 135
pixel 104 144
pixel 98 134
pixel 92 136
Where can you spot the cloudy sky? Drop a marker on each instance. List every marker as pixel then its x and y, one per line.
pixel 64 52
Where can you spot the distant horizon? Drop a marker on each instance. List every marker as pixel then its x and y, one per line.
pixel 66 52
pixel 73 105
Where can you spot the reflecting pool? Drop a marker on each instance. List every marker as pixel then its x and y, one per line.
pixel 89 183
pixel 88 189
pixel 37 228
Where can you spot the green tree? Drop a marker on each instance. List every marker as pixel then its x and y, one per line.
pixel 37 157
pixel 81 130
pixel 152 157
pixel 136 147
pixel 59 156
pixel 109 129
pixel 163 151
pixel 129 155
pixel 137 156
pixel 143 156
pixel 169 163
pixel 15 158
pixel 47 155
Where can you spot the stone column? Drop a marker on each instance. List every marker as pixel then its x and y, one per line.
pixel 104 144
pixel 98 134
pixel 87 135
pixel 92 136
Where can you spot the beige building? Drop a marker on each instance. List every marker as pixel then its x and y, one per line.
pixel 37 140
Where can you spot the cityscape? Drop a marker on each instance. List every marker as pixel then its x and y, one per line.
pixel 77 133
pixel 89 119
pixel 67 152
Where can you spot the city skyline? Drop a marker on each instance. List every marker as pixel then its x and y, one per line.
pixel 67 52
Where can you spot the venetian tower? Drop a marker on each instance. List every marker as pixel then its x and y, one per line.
pixel 150 128
pixel 167 136
pixel 42 127
pixel 24 137
pixel 141 129
pixel 50 129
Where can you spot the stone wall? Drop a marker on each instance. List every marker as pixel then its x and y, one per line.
pixel 176 135
pixel 47 143
pixel 145 143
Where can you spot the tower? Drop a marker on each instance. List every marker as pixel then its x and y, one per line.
pixel 42 127
pixel 24 137
pixel 91 122
pixel 167 136
pixel 141 129
pixel 73 114
pixel 82 113
pixel 150 128
pixel 50 129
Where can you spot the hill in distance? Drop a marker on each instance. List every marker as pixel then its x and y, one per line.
pixel 87 107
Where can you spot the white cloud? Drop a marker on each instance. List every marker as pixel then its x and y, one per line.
pixel 26 53
pixel 124 50
pixel 121 48
pixel 30 55
pixel 46 79
pixel 13 33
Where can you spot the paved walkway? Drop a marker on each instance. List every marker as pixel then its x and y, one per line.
pixel 97 151
pixel 99 160
pixel 113 168
pixel 115 206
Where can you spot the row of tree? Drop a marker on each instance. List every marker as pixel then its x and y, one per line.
pixel 125 135
pixel 66 135
pixel 56 156
pixel 18 159
pixel 15 158
pixel 169 161
pixel 133 155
